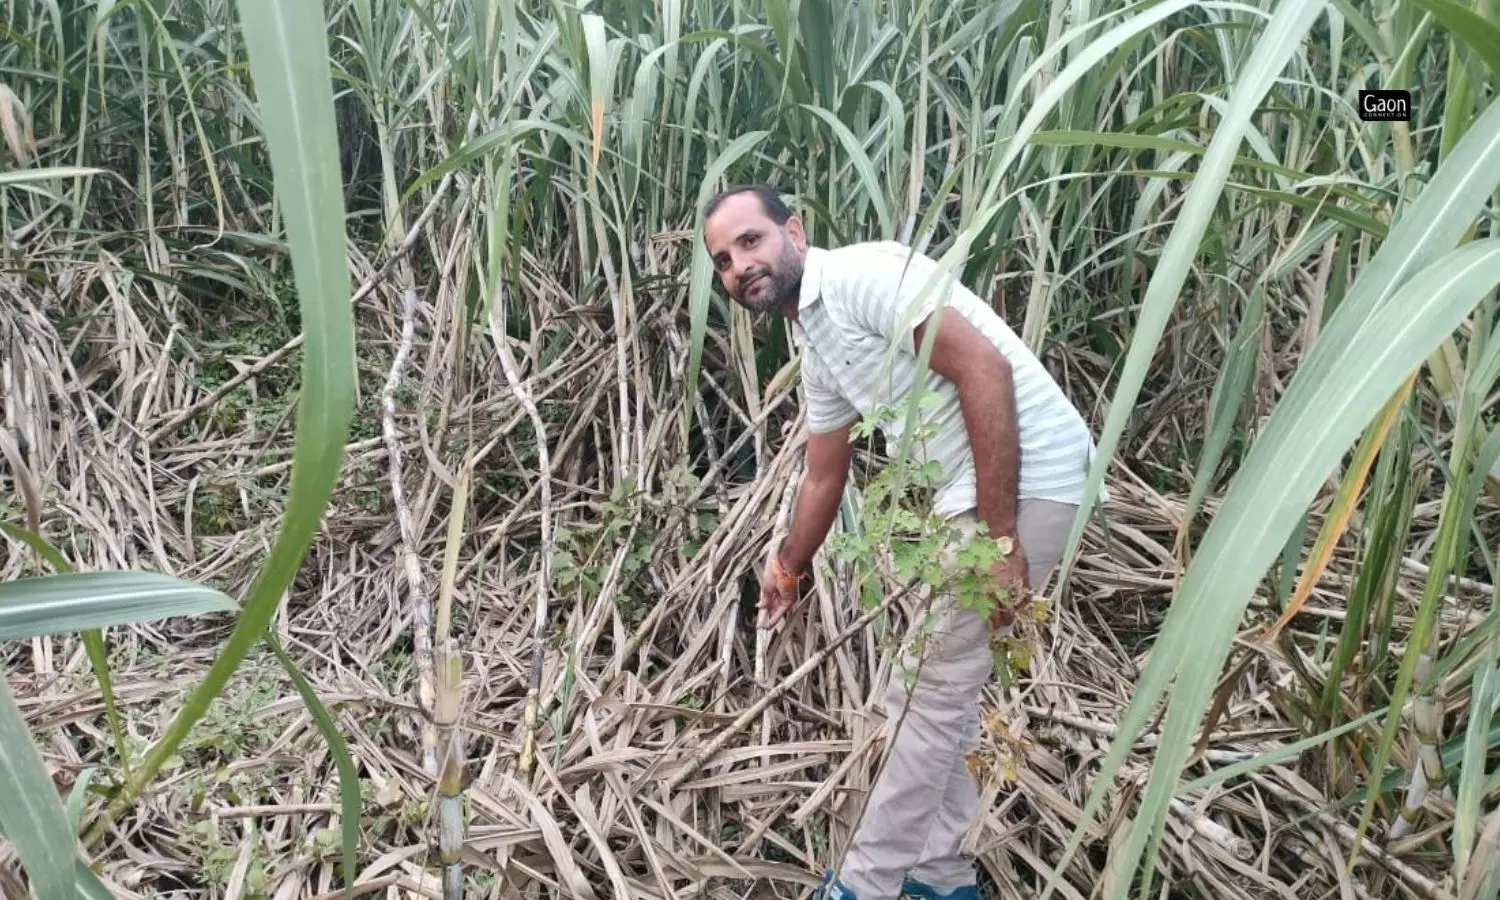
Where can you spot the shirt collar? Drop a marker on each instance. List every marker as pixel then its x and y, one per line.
pixel 812 278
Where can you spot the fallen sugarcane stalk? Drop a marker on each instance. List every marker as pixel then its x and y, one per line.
pixel 1227 840
pixel 712 748
pixel 1145 742
pixel 1414 879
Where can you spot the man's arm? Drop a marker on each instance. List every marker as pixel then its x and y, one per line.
pixel 987 396
pixel 828 458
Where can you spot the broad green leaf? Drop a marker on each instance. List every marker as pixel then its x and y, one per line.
pixel 1433 224
pixel 1362 26
pixel 32 814
pixel 1477 33
pixel 816 33
pixel 601 79
pixel 1369 347
pixel 1337 517
pixel 37 543
pixel 76 601
pixel 1471 778
pixel 88 883
pixel 79 797
pixel 1455 522
pixel 289 62
pixel 1273 48
pixel 93 641
pixel 862 165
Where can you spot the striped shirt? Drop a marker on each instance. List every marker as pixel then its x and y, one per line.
pixel 856 313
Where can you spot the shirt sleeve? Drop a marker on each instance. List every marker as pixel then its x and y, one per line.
pixel 897 291
pixel 827 409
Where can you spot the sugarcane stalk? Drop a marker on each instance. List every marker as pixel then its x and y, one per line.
pixel 1429 774
pixel 449 701
pixel 763 635
pixel 450 778
pixel 411 564
pixel 1231 843
pixel 544 567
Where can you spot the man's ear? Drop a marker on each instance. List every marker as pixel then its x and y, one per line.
pixel 798 235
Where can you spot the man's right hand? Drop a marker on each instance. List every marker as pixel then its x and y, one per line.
pixel 778 592
pixel 828 456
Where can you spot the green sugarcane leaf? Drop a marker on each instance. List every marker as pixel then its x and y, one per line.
pixel 79 601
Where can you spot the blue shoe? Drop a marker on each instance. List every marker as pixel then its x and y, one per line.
pixel 832 889
pixel 919 891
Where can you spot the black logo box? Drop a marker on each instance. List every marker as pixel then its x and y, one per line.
pixel 1385 106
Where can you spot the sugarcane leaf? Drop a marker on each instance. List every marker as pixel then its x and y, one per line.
pixel 32 815
pixel 1284 469
pixel 1370 346
pixel 1273 48
pixel 77 601
pixel 349 786
pixel 29 176
pixel 1473 30
pixel 702 268
pixel 286 43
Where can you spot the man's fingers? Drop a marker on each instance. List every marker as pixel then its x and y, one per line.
pixel 776 603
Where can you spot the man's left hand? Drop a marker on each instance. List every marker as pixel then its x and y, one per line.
pixel 1011 576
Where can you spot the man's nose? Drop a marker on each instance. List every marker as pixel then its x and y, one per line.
pixel 738 263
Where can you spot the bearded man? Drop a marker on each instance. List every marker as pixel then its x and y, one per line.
pixel 1014 454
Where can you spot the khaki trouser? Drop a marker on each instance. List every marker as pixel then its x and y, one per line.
pixel 925 800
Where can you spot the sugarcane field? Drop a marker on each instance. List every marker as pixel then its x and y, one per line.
pixel 830 449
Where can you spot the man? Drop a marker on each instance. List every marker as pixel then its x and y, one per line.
pixel 1014 454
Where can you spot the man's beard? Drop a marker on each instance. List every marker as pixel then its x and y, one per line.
pixel 785 282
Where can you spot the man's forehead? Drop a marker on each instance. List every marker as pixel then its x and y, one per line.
pixel 730 229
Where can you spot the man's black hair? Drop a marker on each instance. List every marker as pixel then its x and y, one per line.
pixel 770 201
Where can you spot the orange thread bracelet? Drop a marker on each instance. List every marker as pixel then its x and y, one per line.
pixel 782 575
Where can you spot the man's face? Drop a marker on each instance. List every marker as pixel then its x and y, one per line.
pixel 758 262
